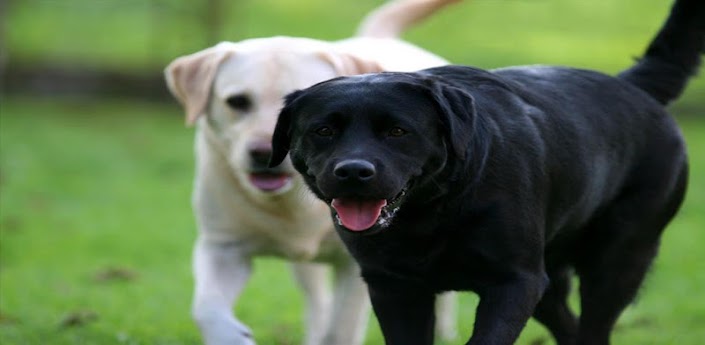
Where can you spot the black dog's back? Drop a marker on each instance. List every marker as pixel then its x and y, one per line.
pixel 584 130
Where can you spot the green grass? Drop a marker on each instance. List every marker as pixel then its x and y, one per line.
pixel 94 194
pixel 90 187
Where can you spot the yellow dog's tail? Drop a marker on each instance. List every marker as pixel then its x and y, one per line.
pixel 393 18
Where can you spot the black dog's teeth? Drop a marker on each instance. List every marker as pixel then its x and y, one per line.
pixel 389 211
pixel 397 198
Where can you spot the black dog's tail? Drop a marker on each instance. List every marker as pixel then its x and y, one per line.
pixel 674 54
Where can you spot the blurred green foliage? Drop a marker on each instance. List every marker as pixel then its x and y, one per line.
pixel 123 33
pixel 603 34
pixel 145 35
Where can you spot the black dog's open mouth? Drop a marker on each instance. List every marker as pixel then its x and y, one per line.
pixel 362 214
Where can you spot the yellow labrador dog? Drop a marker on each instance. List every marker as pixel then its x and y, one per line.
pixel 233 92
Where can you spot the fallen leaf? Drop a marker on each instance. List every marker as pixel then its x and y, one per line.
pixel 7 319
pixel 115 274
pixel 538 341
pixel 78 318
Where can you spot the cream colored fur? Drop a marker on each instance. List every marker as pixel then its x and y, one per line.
pixel 238 221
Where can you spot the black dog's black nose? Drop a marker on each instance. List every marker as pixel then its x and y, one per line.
pixel 356 169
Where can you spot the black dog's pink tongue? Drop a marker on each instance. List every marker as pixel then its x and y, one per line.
pixel 358 215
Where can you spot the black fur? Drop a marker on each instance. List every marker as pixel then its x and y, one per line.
pixel 504 182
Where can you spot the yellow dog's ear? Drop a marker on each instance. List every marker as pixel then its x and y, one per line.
pixel 190 78
pixel 346 64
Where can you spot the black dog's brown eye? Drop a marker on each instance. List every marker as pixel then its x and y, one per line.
pixel 239 102
pixel 324 131
pixel 396 132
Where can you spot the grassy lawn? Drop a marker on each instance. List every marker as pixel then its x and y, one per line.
pixel 95 222
pixel 96 233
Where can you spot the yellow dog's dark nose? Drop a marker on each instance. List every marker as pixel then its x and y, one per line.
pixel 260 152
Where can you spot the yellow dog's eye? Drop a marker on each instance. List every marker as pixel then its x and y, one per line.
pixel 240 102
pixel 324 131
pixel 396 132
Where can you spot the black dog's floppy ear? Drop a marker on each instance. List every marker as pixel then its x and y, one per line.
pixel 281 140
pixel 457 110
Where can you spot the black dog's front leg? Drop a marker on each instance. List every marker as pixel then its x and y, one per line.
pixel 406 317
pixel 504 309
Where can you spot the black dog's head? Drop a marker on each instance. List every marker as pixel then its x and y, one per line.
pixel 365 144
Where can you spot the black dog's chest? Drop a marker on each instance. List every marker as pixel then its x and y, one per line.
pixel 431 263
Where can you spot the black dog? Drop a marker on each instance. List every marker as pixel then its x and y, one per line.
pixel 501 182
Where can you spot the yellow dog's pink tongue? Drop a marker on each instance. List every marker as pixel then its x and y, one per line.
pixel 269 182
pixel 358 215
